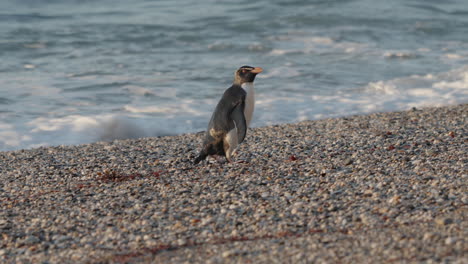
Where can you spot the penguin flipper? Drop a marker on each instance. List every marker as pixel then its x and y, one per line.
pixel 238 117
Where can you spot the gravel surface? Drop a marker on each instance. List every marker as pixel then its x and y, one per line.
pixel 387 187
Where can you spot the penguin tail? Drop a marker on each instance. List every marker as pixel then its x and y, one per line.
pixel 200 157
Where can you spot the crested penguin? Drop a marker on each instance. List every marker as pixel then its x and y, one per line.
pixel 232 116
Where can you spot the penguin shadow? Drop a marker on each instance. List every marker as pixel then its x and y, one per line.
pixel 217 160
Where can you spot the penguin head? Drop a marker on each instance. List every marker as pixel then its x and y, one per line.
pixel 246 74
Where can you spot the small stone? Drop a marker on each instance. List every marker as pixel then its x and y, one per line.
pixel 298 204
pixel 365 219
pixel 394 200
pixel 181 241
pixel 76 256
pixel 207 220
pixel 427 236
pixel 450 240
pixel 348 161
pixel 443 221
pixel 229 253
pixel 383 210
pixel 177 225
pixel 29 240
pixel 464 199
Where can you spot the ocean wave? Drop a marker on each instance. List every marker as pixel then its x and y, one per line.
pixel 388 95
pixel 300 43
pixel 401 55
pixel 453 83
pixel 192 115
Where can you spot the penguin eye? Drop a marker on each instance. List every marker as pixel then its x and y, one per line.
pixel 243 71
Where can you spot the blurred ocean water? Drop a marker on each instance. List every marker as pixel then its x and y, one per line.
pixel 76 72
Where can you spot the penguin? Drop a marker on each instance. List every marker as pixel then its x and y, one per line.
pixel 232 116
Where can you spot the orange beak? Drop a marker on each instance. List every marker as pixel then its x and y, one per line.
pixel 257 70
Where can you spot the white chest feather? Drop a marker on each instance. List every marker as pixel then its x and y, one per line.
pixel 249 101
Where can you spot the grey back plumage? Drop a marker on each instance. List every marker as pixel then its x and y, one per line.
pixel 230 108
pixel 228 114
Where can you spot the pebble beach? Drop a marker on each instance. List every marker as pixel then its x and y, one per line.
pixel 379 188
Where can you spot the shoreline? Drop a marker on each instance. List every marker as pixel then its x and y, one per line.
pixel 381 187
